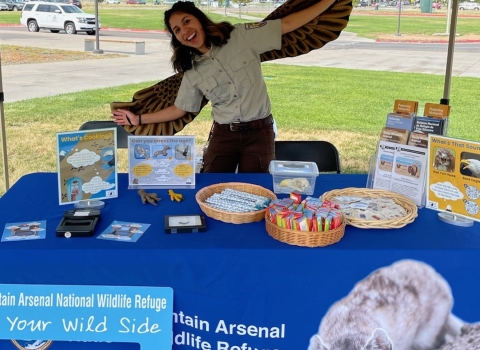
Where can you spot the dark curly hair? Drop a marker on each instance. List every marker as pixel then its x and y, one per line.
pixel 215 34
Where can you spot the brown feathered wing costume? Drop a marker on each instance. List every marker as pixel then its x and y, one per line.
pixel 313 35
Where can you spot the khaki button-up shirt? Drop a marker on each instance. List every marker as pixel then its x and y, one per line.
pixel 230 76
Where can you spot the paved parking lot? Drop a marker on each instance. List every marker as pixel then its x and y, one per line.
pixel 349 51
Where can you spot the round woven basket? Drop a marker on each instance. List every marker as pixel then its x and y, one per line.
pixel 407 204
pixel 305 239
pixel 234 218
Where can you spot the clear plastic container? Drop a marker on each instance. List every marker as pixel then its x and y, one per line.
pixel 292 176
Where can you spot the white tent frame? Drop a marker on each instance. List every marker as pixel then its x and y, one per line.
pixel 4 134
pixel 445 100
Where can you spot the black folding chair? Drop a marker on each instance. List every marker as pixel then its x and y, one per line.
pixel 122 134
pixel 323 153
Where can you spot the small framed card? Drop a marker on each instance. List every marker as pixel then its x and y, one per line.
pixel 123 231
pixel 185 223
pixel 22 231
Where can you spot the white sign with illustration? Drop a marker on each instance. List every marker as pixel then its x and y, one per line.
pixel 161 162
pixel 408 175
pixel 87 165
pixel 454 176
pixel 384 165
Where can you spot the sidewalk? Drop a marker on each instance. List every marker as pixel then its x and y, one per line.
pixel 28 81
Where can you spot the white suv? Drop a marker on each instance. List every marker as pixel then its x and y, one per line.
pixel 55 17
pixel 469 6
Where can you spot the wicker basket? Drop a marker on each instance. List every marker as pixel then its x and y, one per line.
pixel 234 218
pixel 305 239
pixel 407 204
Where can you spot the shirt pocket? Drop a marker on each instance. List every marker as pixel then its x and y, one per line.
pixel 213 91
pixel 244 67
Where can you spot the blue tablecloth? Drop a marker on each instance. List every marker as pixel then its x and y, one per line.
pixel 231 274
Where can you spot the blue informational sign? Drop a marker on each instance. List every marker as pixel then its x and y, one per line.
pixel 88 313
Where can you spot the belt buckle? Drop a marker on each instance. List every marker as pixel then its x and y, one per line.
pixel 231 126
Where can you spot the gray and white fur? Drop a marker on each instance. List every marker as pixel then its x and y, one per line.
pixel 405 306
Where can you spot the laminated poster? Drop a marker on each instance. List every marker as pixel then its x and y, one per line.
pixel 165 162
pixel 454 176
pixel 87 167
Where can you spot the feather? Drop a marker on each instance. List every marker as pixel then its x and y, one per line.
pixel 313 35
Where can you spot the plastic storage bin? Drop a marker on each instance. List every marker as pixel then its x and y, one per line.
pixel 291 176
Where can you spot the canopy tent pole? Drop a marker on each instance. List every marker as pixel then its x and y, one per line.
pixel 451 48
pixel 4 134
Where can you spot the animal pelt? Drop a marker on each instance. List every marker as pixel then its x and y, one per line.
pixel 314 35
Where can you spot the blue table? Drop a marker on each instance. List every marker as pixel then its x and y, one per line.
pixel 231 274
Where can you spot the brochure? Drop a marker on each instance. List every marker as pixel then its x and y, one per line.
pixel 384 166
pixel 86 165
pixel 409 169
pixel 400 121
pixel 405 107
pixel 124 231
pixel 164 162
pixel 394 135
pixel 454 176
pixel 23 231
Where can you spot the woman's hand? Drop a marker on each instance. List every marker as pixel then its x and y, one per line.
pixel 124 117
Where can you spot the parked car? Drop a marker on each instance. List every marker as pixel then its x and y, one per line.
pixel 112 2
pixel 392 3
pixel 56 17
pixel 12 5
pixel 3 6
pixel 469 6
pixel 436 5
pixel 136 2
pixel 362 4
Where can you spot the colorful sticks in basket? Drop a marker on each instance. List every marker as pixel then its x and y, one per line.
pixel 235 201
pixel 311 214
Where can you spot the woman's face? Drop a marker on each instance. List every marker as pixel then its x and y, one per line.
pixel 188 30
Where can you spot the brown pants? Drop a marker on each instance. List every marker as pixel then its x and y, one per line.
pixel 251 150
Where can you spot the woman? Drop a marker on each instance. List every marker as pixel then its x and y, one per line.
pixel 222 62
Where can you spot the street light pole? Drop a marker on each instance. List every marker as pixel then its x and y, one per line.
pixel 97 32
pixel 399 15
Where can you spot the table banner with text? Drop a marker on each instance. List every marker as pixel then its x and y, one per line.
pixel 88 313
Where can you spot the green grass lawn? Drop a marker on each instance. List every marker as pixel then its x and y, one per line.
pixel 345 107
pixel 151 18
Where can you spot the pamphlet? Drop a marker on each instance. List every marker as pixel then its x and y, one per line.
pixel 436 110
pixel 429 125
pixel 399 121
pixel 384 166
pixel 454 176
pixel 439 111
pixel 87 166
pixel 23 231
pixel 124 231
pixel 394 135
pixel 409 169
pixel 418 139
pixel 165 162
pixel 405 107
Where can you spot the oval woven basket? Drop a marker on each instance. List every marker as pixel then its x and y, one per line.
pixel 234 218
pixel 305 239
pixel 407 204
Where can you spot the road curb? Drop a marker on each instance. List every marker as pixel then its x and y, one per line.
pixel 393 40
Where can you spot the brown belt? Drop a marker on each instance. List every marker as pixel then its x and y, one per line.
pixel 246 126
